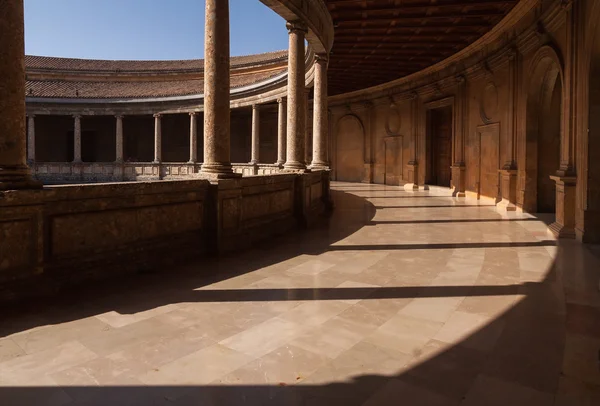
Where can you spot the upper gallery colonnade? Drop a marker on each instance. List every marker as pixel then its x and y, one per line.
pixel 16 151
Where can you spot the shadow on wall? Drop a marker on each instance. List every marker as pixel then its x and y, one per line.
pixel 529 350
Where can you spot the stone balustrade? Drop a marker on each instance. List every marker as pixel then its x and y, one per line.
pixel 69 234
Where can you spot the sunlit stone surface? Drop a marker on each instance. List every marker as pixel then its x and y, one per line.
pixel 416 297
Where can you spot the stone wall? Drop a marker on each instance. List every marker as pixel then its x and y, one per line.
pixel 63 235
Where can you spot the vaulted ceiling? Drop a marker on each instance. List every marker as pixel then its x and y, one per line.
pixel 377 41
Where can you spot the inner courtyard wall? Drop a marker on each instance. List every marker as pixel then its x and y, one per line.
pixel 535 71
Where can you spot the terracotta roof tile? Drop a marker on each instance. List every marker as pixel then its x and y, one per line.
pixel 95 65
pixel 132 89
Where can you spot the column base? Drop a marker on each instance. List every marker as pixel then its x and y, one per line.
pixel 218 171
pixel 295 166
pixel 560 231
pixel 508 190
pixel 17 178
pixel 411 187
pixel 458 180
pixel 319 165
pixel 564 226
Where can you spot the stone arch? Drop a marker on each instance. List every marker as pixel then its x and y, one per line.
pixel 544 130
pixel 350 147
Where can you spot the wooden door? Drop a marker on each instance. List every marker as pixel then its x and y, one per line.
pixel 441 132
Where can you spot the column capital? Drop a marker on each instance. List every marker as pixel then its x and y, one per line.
pixel 157 115
pixel 30 115
pixel 256 107
pixel 281 100
pixel 119 116
pixel 296 27
pixel 193 113
pixel 77 116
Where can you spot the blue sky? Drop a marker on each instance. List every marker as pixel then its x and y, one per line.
pixel 143 29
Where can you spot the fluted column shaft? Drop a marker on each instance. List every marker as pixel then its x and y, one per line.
pixel 255 155
pixel 296 128
pixel 157 138
pixel 31 138
pixel 217 154
pixel 193 138
pixel 281 131
pixel 320 123
pixel 76 138
pixel 14 172
pixel 119 139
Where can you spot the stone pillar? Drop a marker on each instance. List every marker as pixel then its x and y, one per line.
pixel 281 131
pixel 31 139
pixel 119 143
pixel 217 154
pixel 458 159
pixel 255 154
pixel 77 139
pixel 320 126
pixel 193 138
pixel 413 166
pixel 508 173
pixel 564 226
pixel 295 109
pixel 14 172
pixel 157 139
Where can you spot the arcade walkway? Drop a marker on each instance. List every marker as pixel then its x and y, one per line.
pixel 403 298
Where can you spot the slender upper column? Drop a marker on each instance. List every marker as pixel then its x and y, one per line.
pixel 31 138
pixel 307 124
pixel 296 118
pixel 255 134
pixel 320 123
pixel 76 138
pixel 157 138
pixel 281 131
pixel 14 172
pixel 193 138
pixel 217 154
pixel 119 139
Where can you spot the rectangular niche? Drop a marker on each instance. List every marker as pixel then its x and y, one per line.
pixel 393 160
pixel 488 161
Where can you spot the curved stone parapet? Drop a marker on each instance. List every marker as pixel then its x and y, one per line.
pixel 314 14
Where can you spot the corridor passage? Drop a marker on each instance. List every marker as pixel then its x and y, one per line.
pixel 399 298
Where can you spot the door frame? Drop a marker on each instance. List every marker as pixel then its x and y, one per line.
pixel 424 152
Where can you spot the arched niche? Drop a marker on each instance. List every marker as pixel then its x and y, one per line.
pixel 350 146
pixel 544 131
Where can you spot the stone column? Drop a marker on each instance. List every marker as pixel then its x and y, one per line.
pixel 119 143
pixel 255 155
pixel 413 166
pixel 31 139
pixel 281 131
pixel 320 126
pixel 193 138
pixel 458 159
pixel 157 139
pixel 77 139
pixel 307 123
pixel 14 172
pixel 217 154
pixel 295 108
pixel 508 173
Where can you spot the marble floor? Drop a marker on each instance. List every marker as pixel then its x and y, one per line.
pixel 400 298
